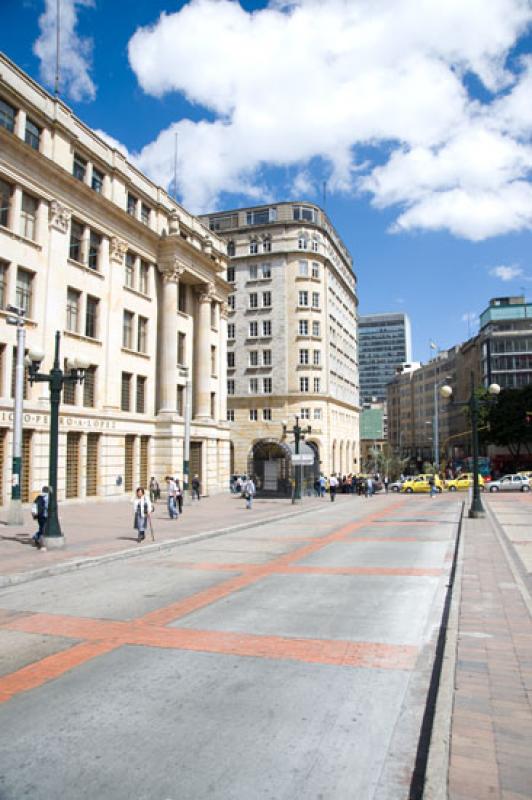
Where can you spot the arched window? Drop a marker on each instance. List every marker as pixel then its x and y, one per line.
pixel 230 248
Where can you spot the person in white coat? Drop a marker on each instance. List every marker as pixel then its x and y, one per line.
pixel 142 510
pixel 249 492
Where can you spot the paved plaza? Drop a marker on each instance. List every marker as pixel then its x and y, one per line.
pixel 280 659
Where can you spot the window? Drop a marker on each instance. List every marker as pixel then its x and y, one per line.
pixel 303 327
pixel 315 269
pixel 91 317
pixel 32 135
pixel 266 385
pixel 79 169
pixel 303 268
pixel 253 329
pixel 125 395
pixel 95 241
pixel 316 358
pixel 303 384
pixel 131 205
pixel 230 386
pixel 304 213
pixel 7 116
pixel 97 180
pixel 253 272
pixel 303 356
pixel 266 299
pixel 28 216
pixel 253 358
pixel 72 316
pixel 76 236
pixel 231 302
pixel 267 245
pixel 267 414
pixel 315 299
pixel 230 415
pixel 302 243
pixel 89 386
pixel 317 413
pixel 214 370
pixel 213 405
pixel 230 274
pixel 267 358
pixel 182 298
pixel 6 191
pixel 316 328
pixel 315 246
pixel 303 298
pixel 69 387
pixel 253 385
pixel 304 413
pixel 230 359
pixel 230 250
pixel 317 385
pixel 142 335
pixel 140 400
pixel 253 414
pixel 145 213
pixel 181 348
pixel 261 217
pixel 127 330
pixel 266 270
pixel 3 283
pixel 180 400
pixel 266 327
pixel 214 319
pixel 231 330
pixel 253 248
pixel 130 270
pixel 253 300
pixel 144 277
pixel 23 293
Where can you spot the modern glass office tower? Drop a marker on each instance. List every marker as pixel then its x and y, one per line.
pixel 384 342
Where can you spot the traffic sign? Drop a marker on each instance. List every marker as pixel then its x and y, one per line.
pixel 302 458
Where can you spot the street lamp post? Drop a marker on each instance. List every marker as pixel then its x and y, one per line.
pixel 16 317
pixel 56 380
pixel 438 385
pixel 299 434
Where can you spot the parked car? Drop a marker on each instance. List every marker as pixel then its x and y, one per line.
pixel 395 486
pixel 510 483
pixel 421 484
pixel 463 482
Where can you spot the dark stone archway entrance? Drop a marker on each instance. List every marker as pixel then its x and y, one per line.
pixel 270 465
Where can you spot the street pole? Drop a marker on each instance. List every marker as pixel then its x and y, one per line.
pixel 297 434
pixel 53 528
pixel 15 507
pixel 436 427
pixel 477 509
pixel 186 443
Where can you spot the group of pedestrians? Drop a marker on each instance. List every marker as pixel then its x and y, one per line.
pixel 245 487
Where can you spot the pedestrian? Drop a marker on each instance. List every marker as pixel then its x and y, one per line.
pixel 432 486
pixel 196 487
pixel 171 497
pixel 249 492
pixel 178 496
pixel 142 509
pixel 154 490
pixel 39 512
pixel 369 486
pixel 317 487
pixel 386 482
pixel 333 486
pixel 323 486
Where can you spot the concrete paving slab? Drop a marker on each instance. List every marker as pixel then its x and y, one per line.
pixel 525 554
pixel 111 593
pixel 356 608
pixel 143 724
pixel 19 649
pixel 379 554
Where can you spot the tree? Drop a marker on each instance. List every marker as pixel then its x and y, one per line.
pixel 507 420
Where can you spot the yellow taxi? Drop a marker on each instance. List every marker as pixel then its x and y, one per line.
pixel 420 483
pixel 463 482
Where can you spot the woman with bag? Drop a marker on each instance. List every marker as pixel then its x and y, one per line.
pixel 143 511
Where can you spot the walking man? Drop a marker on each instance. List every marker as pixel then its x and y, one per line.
pixel 249 492
pixel 196 487
pixel 171 497
pixel 333 486
pixel 41 515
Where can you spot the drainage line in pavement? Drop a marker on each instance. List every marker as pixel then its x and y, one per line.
pixel 420 769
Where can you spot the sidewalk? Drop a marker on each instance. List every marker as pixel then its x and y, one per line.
pixel 491 727
pixel 100 530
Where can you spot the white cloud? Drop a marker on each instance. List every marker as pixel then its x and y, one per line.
pixel 112 142
pixel 75 51
pixel 318 79
pixel 506 273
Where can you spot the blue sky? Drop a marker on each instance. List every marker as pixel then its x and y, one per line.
pixel 417 114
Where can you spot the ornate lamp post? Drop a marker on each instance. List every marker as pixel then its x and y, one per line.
pixel 56 379
pixel 474 403
pixel 299 434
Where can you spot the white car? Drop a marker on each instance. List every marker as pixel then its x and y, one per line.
pixel 510 483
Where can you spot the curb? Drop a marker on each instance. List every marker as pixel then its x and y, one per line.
pixel 120 555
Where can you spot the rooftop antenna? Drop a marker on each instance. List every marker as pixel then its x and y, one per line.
pixel 175 167
pixel 57 47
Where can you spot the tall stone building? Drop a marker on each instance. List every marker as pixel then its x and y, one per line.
pixel 136 285
pixel 292 348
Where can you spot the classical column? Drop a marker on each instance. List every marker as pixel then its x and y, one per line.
pixel 222 370
pixel 202 355
pixel 167 348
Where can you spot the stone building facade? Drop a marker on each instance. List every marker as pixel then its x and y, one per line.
pixel 292 343
pixel 90 247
